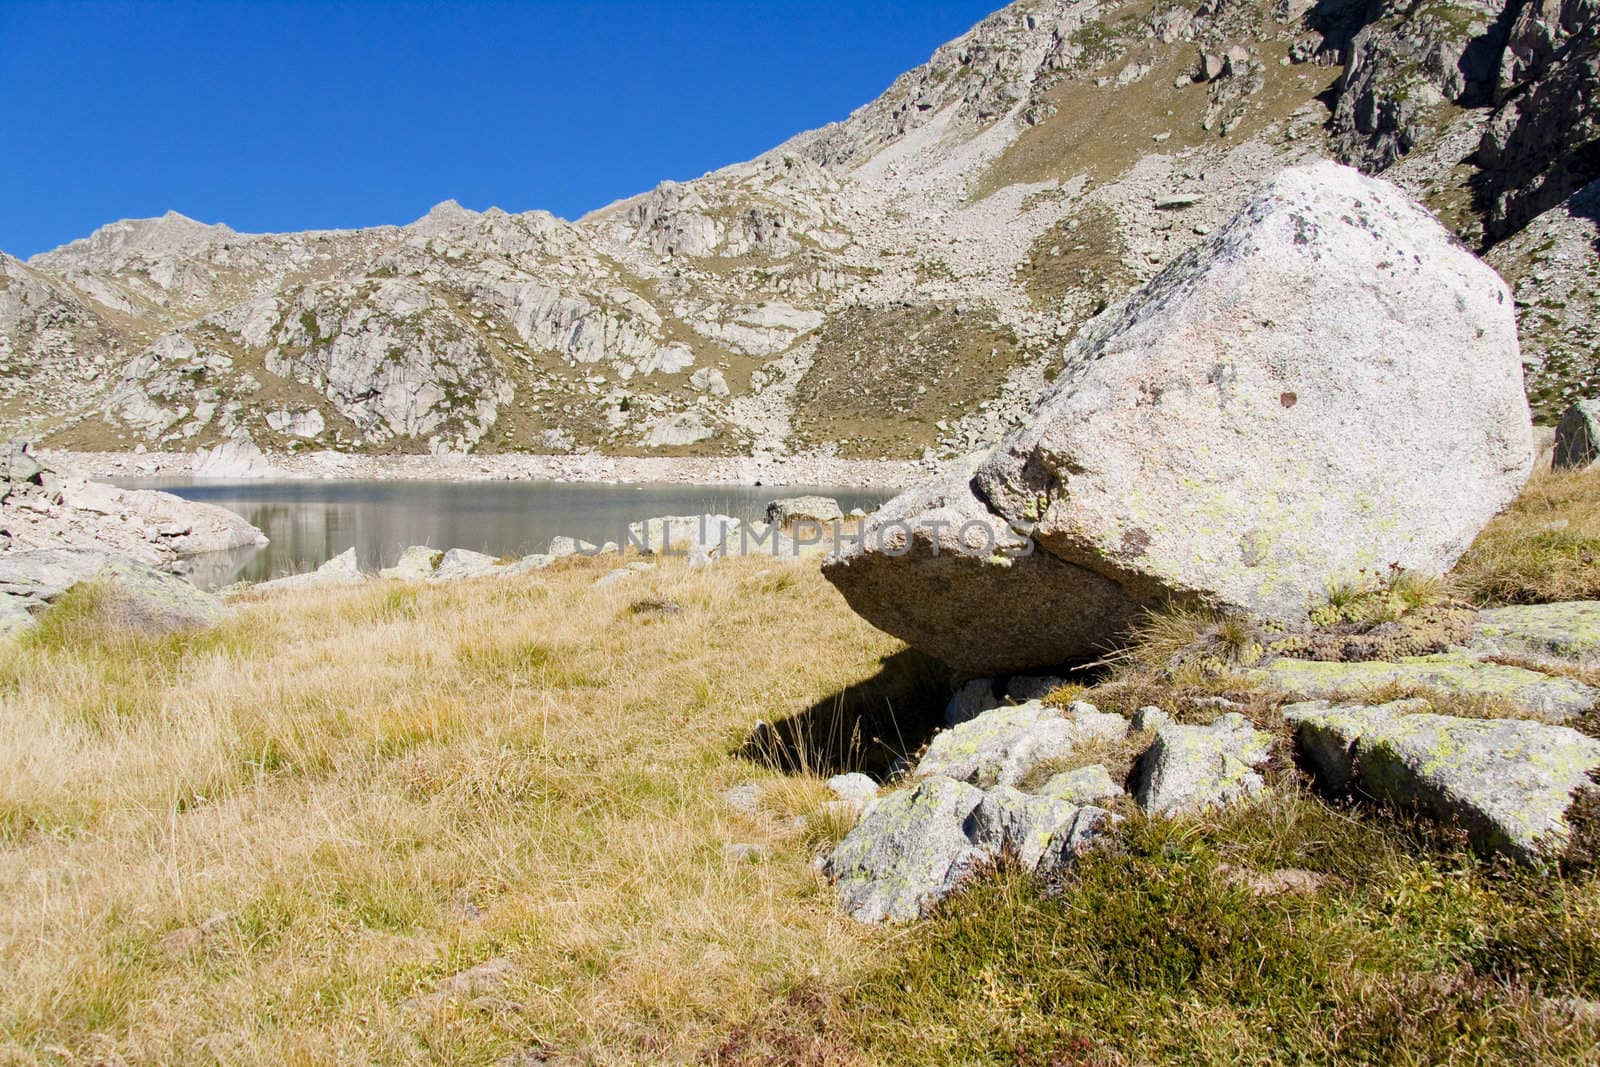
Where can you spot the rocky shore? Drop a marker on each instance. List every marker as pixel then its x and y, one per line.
pixel 668 470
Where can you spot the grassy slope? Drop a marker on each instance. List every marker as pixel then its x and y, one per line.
pixel 380 787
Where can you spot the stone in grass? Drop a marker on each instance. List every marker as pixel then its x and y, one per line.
pixel 1082 786
pixel 1189 769
pixel 342 569
pixel 856 789
pixel 917 846
pixel 1507 782
pixel 1039 833
pixel 1001 746
pixel 15 618
pixel 1540 695
pixel 1577 436
pixel 911 852
pixel 141 599
pixel 1564 633
pixel 464 563
pixel 416 562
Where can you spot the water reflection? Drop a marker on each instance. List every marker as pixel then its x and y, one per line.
pixel 309 522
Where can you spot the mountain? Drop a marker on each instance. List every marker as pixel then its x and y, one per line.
pixel 896 284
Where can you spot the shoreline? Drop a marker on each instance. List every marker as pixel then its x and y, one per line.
pixel 800 471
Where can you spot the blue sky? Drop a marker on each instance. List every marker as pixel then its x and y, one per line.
pixel 287 116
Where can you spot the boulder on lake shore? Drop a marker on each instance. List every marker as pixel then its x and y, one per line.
pixel 1330 384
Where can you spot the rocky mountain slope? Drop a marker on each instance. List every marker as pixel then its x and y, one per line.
pixel 897 284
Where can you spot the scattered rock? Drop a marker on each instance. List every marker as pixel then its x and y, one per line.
pixel 340 570
pixel 1002 746
pixel 1086 785
pixel 461 563
pixel 917 846
pixel 1150 717
pixel 415 563
pixel 856 789
pixel 1285 881
pixel 909 853
pixel 683 534
pixel 188 940
pixel 1508 782
pixel 1577 436
pixel 1540 695
pixel 744 798
pixel 621 573
pixel 1268 472
pixel 1190 769
pixel 819 509
pixel 741 852
pixel 15 618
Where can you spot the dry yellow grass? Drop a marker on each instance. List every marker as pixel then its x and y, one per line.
pixel 1544 547
pixel 380 787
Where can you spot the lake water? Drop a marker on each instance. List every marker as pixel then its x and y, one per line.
pixel 310 522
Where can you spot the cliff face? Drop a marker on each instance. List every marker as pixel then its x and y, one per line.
pixel 898 283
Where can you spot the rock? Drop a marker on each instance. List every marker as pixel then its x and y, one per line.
pixel 1562 633
pixel 1536 694
pixel 621 573
pixel 1190 769
pixel 38 576
pixel 1577 436
pixel 15 618
pixel 1267 471
pixel 415 563
pixel 818 509
pixel 741 852
pixel 528 564
pixel 470 984
pixel 141 599
pixel 1210 67
pixel 686 428
pixel 1082 786
pixel 855 789
pixel 18 467
pixel 709 380
pixel 236 458
pixel 1002 746
pixel 1284 881
pixel 917 846
pixel 909 853
pixel 970 701
pixel 1150 717
pixel 1508 782
pixel 683 534
pixel 340 570
pixel 562 546
pixel 464 563
pixel 1033 830
pixel 743 798
pixel 187 940
pixel 146 526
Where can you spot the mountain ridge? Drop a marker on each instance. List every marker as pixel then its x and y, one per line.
pixel 896 284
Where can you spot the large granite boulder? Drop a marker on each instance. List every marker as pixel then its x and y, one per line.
pixel 1330 384
pixel 140 599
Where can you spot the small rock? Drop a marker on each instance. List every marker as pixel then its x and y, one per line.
pixel 1283 881
pixel 856 789
pixel 461 563
pixel 1190 769
pixel 743 853
pixel 1001 746
pixel 970 701
pixel 818 509
pixel 1085 785
pixel 190 939
pixel 416 562
pixel 1577 436
pixel 340 570
pixel 1564 633
pixel 1150 717
pixel 743 798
